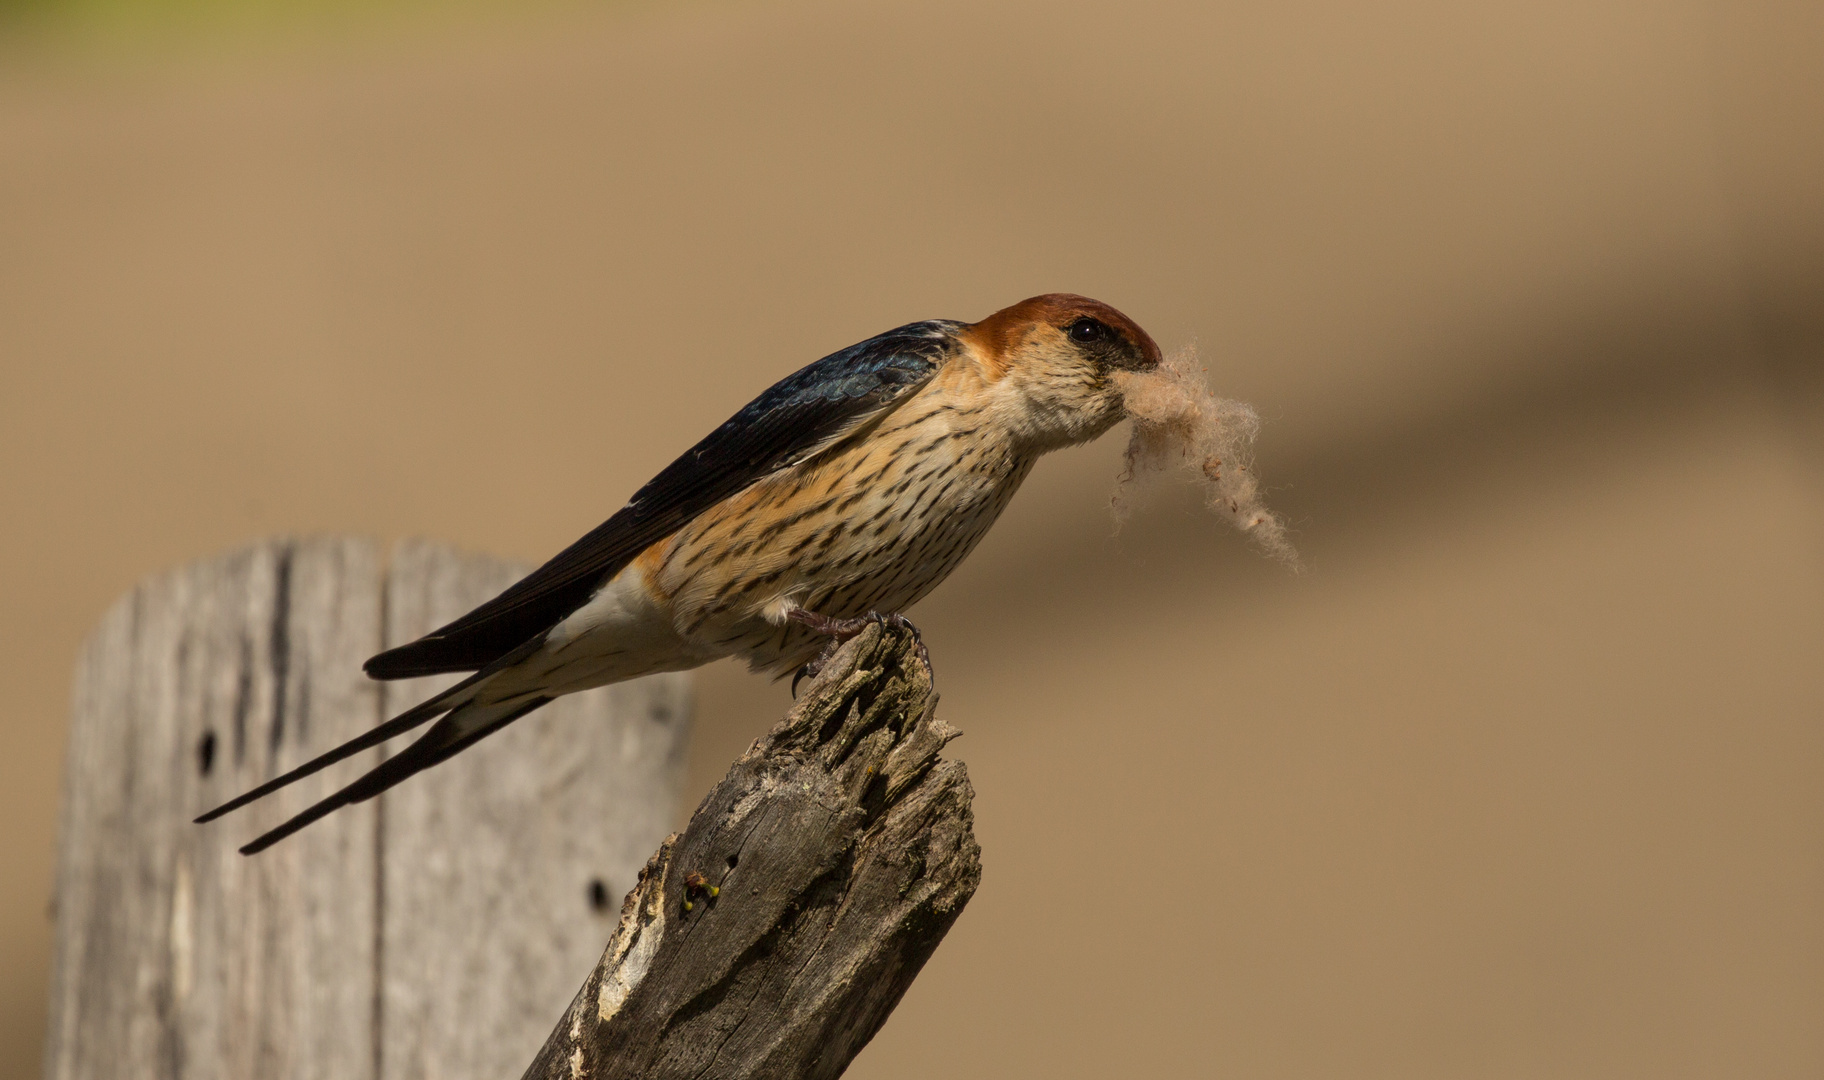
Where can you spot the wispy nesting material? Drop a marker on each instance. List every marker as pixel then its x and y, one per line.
pixel 1177 419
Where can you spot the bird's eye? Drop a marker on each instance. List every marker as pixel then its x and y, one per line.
pixel 1087 329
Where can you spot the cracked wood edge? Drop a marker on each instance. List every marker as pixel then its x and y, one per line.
pixel 842 851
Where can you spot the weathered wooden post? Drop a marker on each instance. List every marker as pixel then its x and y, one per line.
pixel 435 931
pixel 432 932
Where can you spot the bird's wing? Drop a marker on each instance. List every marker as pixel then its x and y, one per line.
pixel 794 419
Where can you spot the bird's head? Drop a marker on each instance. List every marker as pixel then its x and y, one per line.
pixel 1054 355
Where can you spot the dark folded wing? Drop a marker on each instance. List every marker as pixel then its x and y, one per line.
pixel 798 415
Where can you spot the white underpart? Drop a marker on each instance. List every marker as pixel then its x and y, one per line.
pixel 778 610
pixel 618 634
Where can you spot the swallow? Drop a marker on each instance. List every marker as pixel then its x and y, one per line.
pixel 850 488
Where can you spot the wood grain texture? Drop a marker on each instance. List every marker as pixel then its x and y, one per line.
pixel 341 950
pixel 842 850
pixel 175 955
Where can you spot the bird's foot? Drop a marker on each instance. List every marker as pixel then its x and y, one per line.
pixel 841 630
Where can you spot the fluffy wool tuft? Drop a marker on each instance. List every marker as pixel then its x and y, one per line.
pixel 1178 419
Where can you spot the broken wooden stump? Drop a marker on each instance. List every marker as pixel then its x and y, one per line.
pixel 775 935
pixel 431 932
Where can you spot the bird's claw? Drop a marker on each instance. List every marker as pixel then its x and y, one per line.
pixel 900 622
pixel 841 630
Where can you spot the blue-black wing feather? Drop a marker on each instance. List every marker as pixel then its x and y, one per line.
pixel 791 420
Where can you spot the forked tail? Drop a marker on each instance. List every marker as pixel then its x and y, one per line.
pixel 465 721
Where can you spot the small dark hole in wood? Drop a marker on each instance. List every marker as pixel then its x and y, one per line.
pixel 598 894
pixel 205 752
pixel 733 861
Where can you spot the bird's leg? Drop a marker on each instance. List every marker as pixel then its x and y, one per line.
pixel 841 630
pixel 838 630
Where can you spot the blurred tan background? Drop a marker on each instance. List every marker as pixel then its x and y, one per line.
pixel 1525 776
